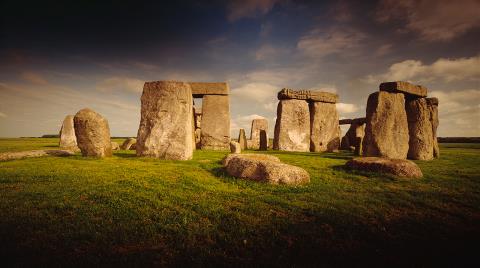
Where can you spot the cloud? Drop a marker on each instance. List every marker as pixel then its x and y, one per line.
pixel 319 43
pixel 383 50
pixel 121 83
pixel 267 51
pixel 2 115
pixel 459 112
pixel 256 92
pixel 238 9
pixel 447 70
pixel 433 20
pixel 341 12
pixel 34 78
pixel 346 108
pixel 244 122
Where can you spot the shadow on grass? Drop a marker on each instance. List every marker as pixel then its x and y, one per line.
pixel 125 155
pixel 370 175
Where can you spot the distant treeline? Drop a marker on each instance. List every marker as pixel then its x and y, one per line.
pixel 459 139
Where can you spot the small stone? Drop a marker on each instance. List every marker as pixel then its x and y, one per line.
pixel 93 134
pixel 68 140
pixel 127 144
pixel 235 147
pixel 397 167
pixel 115 146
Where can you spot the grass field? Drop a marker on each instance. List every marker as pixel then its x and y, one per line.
pixel 126 210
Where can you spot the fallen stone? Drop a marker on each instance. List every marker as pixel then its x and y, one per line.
pixel 165 129
pixel 397 167
pixel 420 129
pixel 263 157
pixel 115 146
pixel 242 139
pixel 34 153
pixel 324 128
pixel 257 126
pixel 68 140
pixel 292 128
pixel 93 134
pixel 432 104
pixel 235 147
pixel 386 130
pixel 309 95
pixel 127 144
pixel 215 133
pixel 404 87
pixel 250 166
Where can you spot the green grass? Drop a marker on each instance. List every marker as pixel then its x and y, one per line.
pixel 126 210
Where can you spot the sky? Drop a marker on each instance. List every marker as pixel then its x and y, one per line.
pixel 57 57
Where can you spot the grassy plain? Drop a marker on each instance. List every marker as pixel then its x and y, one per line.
pixel 126 210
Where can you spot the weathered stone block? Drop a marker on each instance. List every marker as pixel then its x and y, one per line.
pixel 166 121
pixel 420 129
pixel 215 122
pixel 432 104
pixel 292 128
pixel 242 139
pixel 309 95
pixel 93 133
pixel 257 126
pixel 404 87
pixel 386 131
pixel 324 128
pixel 263 141
pixel 199 89
pixel 68 140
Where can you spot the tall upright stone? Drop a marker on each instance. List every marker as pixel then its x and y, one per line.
pixel 432 104
pixel 292 128
pixel 386 131
pixel 165 129
pixel 92 133
pixel 263 141
pixel 258 125
pixel 420 129
pixel 324 127
pixel 215 134
pixel 242 139
pixel 68 140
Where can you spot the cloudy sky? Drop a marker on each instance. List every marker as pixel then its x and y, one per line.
pixel 57 57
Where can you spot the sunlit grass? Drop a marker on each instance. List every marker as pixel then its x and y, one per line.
pixel 129 210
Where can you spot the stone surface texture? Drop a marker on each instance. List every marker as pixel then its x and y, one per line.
pixel 258 125
pixel 242 139
pixel 404 87
pixel 420 129
pixel 386 130
pixel 165 129
pixel 68 140
pixel 93 133
pixel 292 128
pixel 34 153
pixel 324 127
pixel 252 167
pixel 397 167
pixel 127 144
pixel 309 95
pixel 432 104
pixel 215 134
pixel 199 89
pixel 235 147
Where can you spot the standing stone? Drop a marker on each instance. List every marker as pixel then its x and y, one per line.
pixel 358 146
pixel 356 130
pixel 386 131
pixel 292 128
pixel 215 122
pixel 257 126
pixel 324 135
pixel 235 147
pixel 93 133
pixel 127 144
pixel 433 107
pixel 165 129
pixel 67 134
pixel 420 129
pixel 263 140
pixel 242 139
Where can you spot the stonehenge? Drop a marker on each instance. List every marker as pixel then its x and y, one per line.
pixel 258 125
pixel 68 140
pixel 92 133
pixel 354 135
pixel 166 129
pixel 401 123
pixel 306 121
